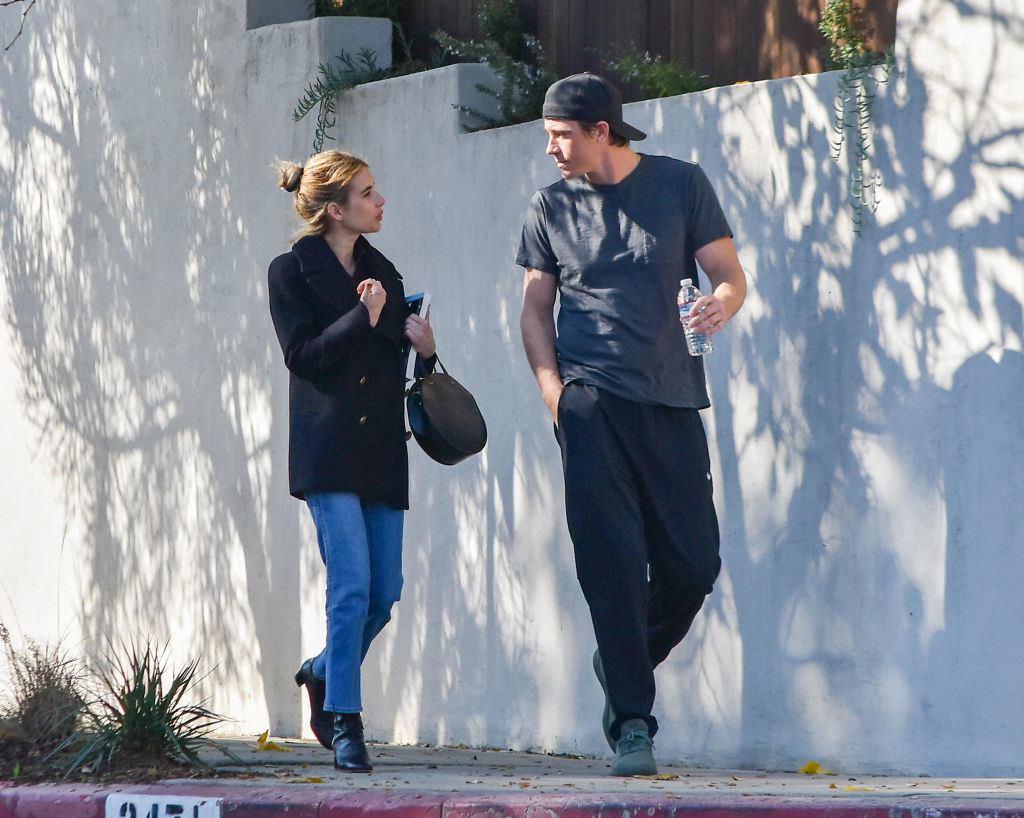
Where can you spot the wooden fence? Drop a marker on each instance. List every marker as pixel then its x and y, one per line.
pixel 729 40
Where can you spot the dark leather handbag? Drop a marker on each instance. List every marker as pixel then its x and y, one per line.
pixel 444 418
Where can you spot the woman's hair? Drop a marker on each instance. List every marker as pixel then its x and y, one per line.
pixel 325 178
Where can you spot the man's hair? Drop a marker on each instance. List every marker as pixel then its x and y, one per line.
pixel 614 139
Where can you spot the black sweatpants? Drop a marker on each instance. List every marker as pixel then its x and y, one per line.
pixel 638 501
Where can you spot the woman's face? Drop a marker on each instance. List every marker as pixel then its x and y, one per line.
pixel 364 210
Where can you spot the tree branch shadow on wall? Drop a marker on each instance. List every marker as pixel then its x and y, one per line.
pixel 835 587
pixel 833 612
pixel 141 367
pixel 168 464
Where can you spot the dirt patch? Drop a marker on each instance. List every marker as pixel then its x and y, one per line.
pixel 21 763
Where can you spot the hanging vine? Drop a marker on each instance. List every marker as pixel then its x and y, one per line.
pixel 844 26
pixel 331 82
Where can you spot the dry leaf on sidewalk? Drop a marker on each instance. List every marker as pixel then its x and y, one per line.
pixel 263 743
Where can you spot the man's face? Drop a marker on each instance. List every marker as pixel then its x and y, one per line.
pixel 574 150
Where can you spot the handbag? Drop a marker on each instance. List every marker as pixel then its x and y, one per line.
pixel 444 418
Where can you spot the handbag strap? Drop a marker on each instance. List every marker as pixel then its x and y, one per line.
pixel 411 377
pixel 410 369
pixel 411 380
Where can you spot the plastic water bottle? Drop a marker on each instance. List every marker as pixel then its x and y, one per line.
pixel 697 344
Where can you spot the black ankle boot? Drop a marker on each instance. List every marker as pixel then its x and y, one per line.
pixel 349 746
pixel 320 722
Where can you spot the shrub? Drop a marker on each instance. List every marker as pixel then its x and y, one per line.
pixel 517 58
pixel 45 701
pixel 847 31
pixel 651 77
pixel 52 726
pixel 395 10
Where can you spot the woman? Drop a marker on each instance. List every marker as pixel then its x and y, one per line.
pixel 339 310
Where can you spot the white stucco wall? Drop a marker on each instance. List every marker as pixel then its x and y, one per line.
pixel 865 429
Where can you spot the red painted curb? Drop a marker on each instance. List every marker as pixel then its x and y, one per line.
pixel 404 804
pixel 255 801
pixel 88 801
pixel 665 806
pixel 604 805
pixel 50 801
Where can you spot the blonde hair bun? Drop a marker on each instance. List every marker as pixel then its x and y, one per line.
pixel 290 175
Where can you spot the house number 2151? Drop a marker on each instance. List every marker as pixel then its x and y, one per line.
pixel 129 805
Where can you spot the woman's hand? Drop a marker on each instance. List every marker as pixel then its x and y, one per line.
pixel 420 335
pixel 372 294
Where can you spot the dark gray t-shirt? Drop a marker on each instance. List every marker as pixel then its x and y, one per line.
pixel 619 252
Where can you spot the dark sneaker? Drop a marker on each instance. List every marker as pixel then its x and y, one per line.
pixel 607 717
pixel 634 753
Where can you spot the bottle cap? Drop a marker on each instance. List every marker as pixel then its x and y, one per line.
pixel 686 281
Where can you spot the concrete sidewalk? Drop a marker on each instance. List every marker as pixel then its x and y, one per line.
pixel 298 780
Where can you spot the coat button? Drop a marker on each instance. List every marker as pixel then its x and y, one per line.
pixel 362 381
pixel 362 420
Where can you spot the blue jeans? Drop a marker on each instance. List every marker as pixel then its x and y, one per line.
pixel 361 546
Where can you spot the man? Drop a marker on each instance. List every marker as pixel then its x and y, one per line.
pixel 613 239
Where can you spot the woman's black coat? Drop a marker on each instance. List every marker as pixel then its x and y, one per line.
pixel 346 411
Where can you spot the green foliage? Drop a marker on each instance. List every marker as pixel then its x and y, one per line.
pixel 142 717
pixel 523 84
pixel 51 726
pixel 844 27
pixel 653 77
pixel 333 81
pixel 500 23
pixel 392 9
pixel 846 30
pixel 397 11
pixel 328 8
pixel 45 700
pixel 517 58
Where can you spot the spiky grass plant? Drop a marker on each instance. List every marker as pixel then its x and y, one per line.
pixel 142 718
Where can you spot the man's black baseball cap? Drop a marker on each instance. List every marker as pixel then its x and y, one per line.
pixel 588 98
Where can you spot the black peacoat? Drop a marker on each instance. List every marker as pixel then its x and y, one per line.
pixel 346 427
